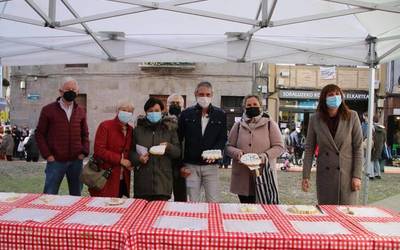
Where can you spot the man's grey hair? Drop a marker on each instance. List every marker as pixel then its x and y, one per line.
pixel 174 96
pixel 203 84
pixel 68 79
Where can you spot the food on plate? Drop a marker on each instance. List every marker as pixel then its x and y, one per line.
pixel 248 209
pixel 12 198
pixel 47 198
pixel 158 150
pixel 214 154
pixel 348 210
pixel 302 209
pixel 115 201
pixel 250 159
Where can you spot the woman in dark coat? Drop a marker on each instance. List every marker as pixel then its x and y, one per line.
pixel 7 145
pixel 112 145
pixel 337 131
pixel 154 173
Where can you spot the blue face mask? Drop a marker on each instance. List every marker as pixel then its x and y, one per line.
pixel 334 102
pixel 125 117
pixel 153 117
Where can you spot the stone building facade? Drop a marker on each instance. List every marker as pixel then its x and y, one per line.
pixel 103 85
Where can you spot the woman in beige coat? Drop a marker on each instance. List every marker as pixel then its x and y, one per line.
pixel 337 131
pixel 252 135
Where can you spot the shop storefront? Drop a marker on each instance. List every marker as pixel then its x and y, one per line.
pixel 295 106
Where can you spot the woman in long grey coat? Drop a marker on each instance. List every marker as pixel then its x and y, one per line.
pixel 252 135
pixel 337 131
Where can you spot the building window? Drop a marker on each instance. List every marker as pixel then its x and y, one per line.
pixel 76 65
pixel 231 101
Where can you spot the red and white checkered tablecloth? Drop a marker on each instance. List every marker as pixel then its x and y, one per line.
pixel 149 235
pixel 379 215
pixel 56 233
pixel 354 239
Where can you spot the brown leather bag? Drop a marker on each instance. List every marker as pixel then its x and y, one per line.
pixel 94 176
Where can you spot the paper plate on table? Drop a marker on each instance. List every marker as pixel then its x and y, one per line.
pixel 115 202
pixel 303 210
pixel 158 150
pixel 363 211
pixel 10 197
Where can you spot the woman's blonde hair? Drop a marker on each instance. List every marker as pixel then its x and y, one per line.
pixel 251 96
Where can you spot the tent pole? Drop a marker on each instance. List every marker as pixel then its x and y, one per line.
pixel 371 101
pixel 1 79
pixel 52 10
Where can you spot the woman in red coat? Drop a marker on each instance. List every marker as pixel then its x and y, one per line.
pixel 112 145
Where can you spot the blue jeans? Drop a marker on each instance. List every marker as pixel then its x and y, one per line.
pixel 55 172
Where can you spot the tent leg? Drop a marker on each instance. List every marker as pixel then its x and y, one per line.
pixel 371 108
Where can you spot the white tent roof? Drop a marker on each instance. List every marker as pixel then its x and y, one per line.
pixel 284 31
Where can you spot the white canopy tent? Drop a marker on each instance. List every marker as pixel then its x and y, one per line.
pixel 328 32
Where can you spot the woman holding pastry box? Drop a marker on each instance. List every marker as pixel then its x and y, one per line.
pixel 253 134
pixel 155 145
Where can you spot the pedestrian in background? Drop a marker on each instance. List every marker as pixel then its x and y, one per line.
pixel 7 145
pixel 379 139
pixel 31 147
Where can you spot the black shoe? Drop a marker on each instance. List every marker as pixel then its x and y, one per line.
pixel 378 177
pixel 371 178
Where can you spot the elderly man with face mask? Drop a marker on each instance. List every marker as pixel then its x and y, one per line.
pixel 202 127
pixel 63 139
pixel 175 105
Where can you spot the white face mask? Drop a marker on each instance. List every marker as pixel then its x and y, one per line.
pixel 204 101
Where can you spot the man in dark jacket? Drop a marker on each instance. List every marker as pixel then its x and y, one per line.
pixel 63 139
pixel 175 105
pixel 31 148
pixel 202 127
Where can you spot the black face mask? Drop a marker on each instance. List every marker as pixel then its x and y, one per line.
pixel 175 110
pixel 253 112
pixel 69 96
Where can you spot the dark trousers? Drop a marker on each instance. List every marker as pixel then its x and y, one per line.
pixel 247 199
pixel 123 189
pixel 154 197
pixel 55 172
pixel 32 158
pixel 179 186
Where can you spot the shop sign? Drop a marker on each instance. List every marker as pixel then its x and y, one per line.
pixel 396 111
pixel 355 96
pixel 33 97
pixel 304 94
pixel 298 94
